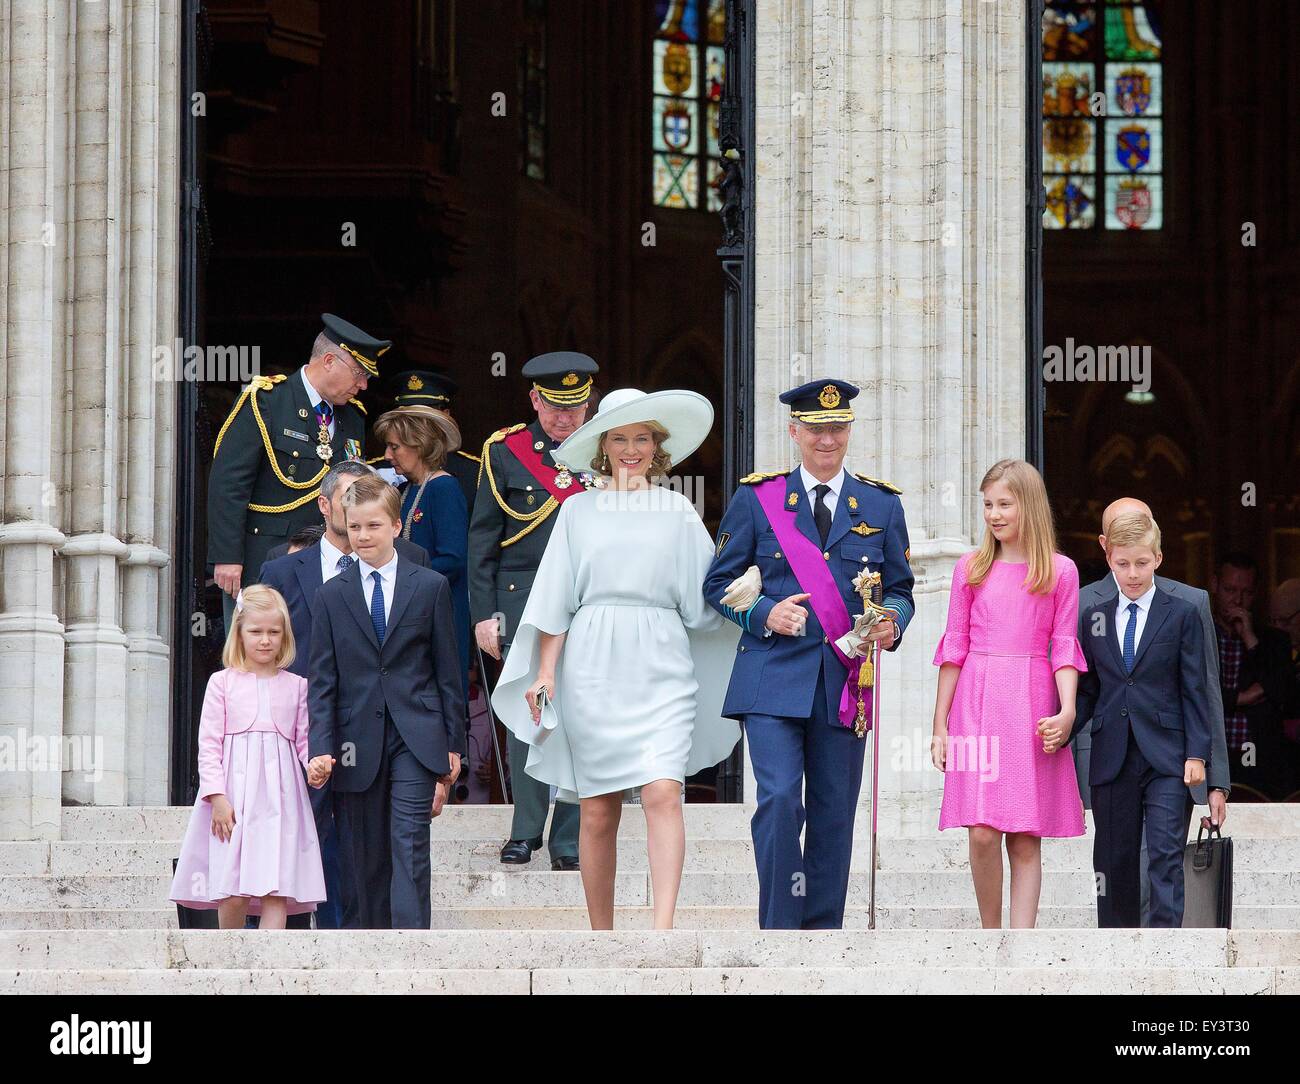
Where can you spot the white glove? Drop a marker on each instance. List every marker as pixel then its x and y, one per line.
pixel 854 642
pixel 743 592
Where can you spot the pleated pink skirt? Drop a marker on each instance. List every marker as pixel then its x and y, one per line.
pixel 273 850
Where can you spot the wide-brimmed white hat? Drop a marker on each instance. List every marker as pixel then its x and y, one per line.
pixel 687 416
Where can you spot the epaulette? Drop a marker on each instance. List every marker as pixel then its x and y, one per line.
pixel 266 383
pixel 879 483
pixel 501 434
pixel 762 476
pixel 471 458
pixel 357 403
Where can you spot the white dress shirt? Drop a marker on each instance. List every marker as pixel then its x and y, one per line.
pixel 329 559
pixel 387 576
pixel 316 400
pixel 836 484
pixel 1122 616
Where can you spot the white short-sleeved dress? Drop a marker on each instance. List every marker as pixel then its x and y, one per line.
pixel 640 682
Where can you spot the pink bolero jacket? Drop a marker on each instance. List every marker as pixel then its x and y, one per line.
pixel 230 707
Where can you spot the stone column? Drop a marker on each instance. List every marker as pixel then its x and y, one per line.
pixel 88 108
pixel 33 245
pixel 146 464
pixel 890 220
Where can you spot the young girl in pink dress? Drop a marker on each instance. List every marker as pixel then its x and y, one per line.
pixel 1009 668
pixel 251 845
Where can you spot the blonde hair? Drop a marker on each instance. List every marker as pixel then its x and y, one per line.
pixel 1037 535
pixel 373 488
pixel 660 463
pixel 258 598
pixel 431 433
pixel 1133 529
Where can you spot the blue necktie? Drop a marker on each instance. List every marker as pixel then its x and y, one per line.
pixel 345 562
pixel 377 606
pixel 1130 632
pixel 324 413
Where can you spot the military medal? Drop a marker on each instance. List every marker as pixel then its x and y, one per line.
pixel 563 479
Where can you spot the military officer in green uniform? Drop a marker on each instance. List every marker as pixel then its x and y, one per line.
pixel 279 441
pixel 520 489
pixel 434 388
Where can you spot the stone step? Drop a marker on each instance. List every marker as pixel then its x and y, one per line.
pixel 1271 821
pixel 361 950
pixel 679 961
pixel 77 858
pixel 507 887
pixel 610 981
pixel 688 918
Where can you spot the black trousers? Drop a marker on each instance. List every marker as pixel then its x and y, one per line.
pixel 383 837
pixel 1140 796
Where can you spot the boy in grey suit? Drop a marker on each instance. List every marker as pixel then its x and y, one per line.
pixel 387 713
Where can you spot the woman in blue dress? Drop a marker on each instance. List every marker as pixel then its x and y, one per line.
pixel 417 441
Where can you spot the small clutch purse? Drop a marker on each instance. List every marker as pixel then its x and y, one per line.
pixel 549 720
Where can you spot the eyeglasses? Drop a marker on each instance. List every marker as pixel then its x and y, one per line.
pixel 359 375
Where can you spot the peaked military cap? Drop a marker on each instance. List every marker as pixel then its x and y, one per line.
pixel 424 386
pixel 821 401
pixel 562 377
pixel 365 348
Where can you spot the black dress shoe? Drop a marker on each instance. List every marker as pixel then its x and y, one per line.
pixel 519 852
pixel 566 863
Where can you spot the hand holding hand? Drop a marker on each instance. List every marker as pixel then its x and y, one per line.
pixel 787 617
pixel 319 769
pixel 223 817
pixel 1054 729
pixel 1193 772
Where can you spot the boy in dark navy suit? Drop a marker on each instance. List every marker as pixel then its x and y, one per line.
pixel 1144 694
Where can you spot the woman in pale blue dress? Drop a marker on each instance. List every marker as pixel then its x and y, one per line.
pixel 616 630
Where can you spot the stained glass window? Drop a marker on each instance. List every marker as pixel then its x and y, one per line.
pixel 688 76
pixel 532 91
pixel 1103 104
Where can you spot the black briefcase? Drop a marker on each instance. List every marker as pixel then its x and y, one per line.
pixel 1207 880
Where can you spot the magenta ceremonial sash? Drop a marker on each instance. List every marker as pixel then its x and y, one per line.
pixel 520 443
pixel 812 570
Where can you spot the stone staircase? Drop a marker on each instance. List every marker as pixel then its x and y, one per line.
pixel 90 913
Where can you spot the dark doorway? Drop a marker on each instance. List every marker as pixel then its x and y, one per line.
pixel 480 181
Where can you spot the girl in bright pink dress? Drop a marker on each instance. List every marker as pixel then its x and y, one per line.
pixel 251 845
pixel 1009 668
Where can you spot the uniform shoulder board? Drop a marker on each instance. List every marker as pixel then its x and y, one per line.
pixel 357 403
pixel 471 458
pixel 264 383
pixel 762 476
pixel 501 434
pixel 879 483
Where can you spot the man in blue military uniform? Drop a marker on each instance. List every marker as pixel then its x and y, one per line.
pixel 810 532
pixel 279 442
